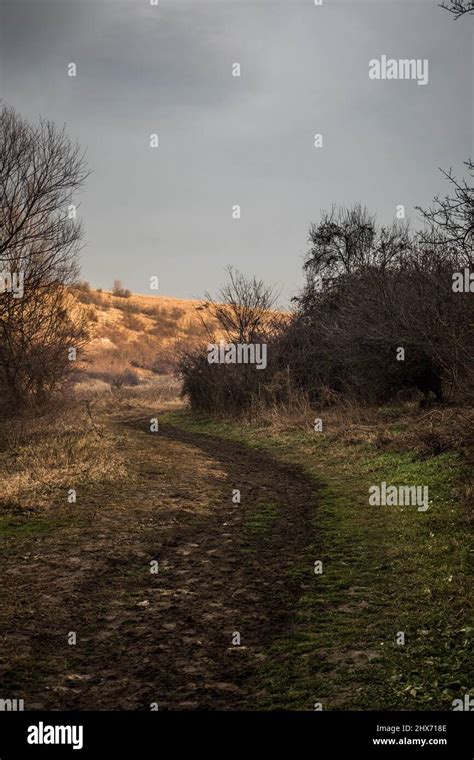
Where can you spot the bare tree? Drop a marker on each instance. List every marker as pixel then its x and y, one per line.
pixel 344 337
pixel 458 8
pixel 451 218
pixel 40 171
pixel 242 309
pixel 347 240
pixel 242 313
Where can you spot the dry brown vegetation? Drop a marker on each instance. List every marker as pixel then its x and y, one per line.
pixel 137 337
pixel 377 322
pixel 72 445
pixel 41 458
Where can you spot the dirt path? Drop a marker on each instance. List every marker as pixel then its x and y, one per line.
pixel 166 638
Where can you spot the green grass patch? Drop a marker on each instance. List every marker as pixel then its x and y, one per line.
pixel 387 570
pixel 261 518
pixel 11 528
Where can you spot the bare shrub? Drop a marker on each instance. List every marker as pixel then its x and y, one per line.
pixel 131 321
pixel 128 377
pixel 242 310
pixel 377 321
pixel 88 296
pixel 119 291
pixel 243 314
pixel 40 171
pixel 345 335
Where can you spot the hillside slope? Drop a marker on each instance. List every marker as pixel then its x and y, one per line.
pixel 137 336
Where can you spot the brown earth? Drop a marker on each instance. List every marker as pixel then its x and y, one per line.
pixel 163 638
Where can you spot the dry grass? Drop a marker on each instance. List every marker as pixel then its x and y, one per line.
pixel 156 389
pixel 75 443
pixel 396 428
pixel 42 458
pixel 404 425
pixel 139 333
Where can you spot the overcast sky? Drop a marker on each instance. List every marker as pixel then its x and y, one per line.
pixel 224 140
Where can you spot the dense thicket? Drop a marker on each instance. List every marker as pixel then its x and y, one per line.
pixel 377 319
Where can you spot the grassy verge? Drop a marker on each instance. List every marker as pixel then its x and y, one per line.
pixel 42 458
pixel 390 574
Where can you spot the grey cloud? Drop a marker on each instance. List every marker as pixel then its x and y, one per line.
pixel 223 140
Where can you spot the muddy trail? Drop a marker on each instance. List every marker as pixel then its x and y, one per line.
pixel 88 623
